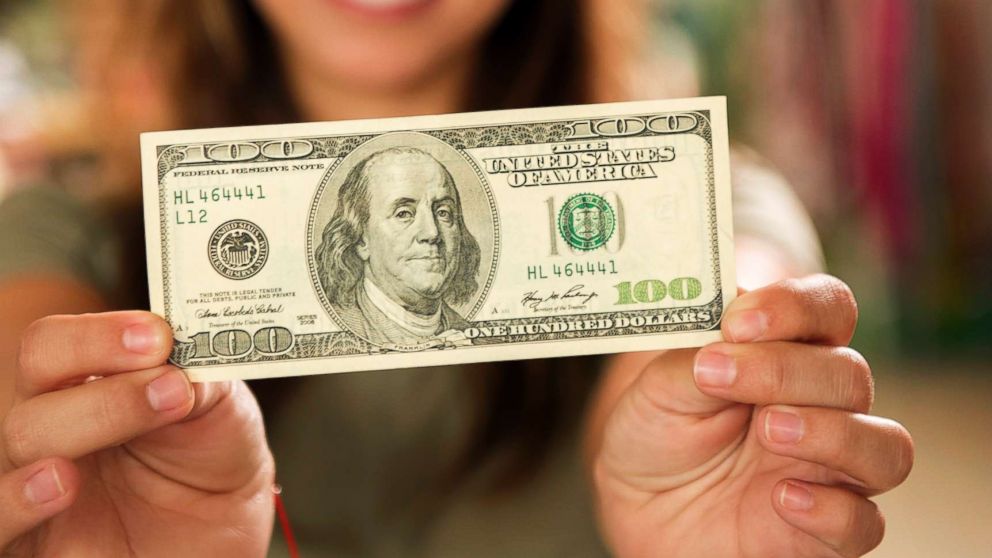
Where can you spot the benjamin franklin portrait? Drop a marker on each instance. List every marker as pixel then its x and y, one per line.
pixel 396 256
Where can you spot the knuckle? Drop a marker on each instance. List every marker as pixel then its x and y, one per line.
pixel 763 372
pixel 790 289
pixel 860 386
pixel 852 529
pixel 828 306
pixel 113 399
pixel 847 437
pixel 791 285
pixel 30 356
pixel 841 297
pixel 16 438
pixel 867 526
pixel 897 452
pixel 906 454
pixel 811 301
pixel 784 291
pixel 777 377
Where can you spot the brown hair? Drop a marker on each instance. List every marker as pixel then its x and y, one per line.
pixel 192 64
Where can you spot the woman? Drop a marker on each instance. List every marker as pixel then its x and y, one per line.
pixel 755 447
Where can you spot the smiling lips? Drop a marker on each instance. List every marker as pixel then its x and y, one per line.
pixel 384 8
pixel 385 4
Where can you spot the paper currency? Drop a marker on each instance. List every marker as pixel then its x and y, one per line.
pixel 333 247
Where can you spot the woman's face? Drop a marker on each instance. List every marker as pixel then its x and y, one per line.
pixel 377 44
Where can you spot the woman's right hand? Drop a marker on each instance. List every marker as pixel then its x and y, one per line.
pixel 137 462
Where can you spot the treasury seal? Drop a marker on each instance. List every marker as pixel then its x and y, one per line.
pixel 586 221
pixel 238 249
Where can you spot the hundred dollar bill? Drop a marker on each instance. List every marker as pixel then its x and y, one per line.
pixel 333 247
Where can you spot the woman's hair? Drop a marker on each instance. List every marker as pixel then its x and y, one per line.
pixel 154 64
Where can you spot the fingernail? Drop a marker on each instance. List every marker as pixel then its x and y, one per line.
pixel 784 427
pixel 44 486
pixel 795 497
pixel 714 369
pixel 747 325
pixel 168 391
pixel 143 339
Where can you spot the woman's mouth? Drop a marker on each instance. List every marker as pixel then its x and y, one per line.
pixel 384 8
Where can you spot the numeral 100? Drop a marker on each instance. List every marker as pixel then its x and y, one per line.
pixel 633 125
pixel 654 290
pixel 233 343
pixel 246 151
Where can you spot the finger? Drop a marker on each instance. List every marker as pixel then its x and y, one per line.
pixel 654 431
pixel 32 494
pixel 667 384
pixel 845 522
pixel 819 308
pixel 216 454
pixel 58 351
pixel 876 453
pixel 786 373
pixel 80 420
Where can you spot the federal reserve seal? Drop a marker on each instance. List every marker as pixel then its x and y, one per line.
pixel 586 221
pixel 238 249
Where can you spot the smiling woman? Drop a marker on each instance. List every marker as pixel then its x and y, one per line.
pixel 422 47
pixel 227 63
pixel 148 66
pixel 740 449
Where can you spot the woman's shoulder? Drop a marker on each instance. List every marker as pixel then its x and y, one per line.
pixel 46 229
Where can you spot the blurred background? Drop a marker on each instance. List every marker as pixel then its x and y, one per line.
pixel 878 112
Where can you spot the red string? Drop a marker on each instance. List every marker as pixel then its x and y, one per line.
pixel 287 530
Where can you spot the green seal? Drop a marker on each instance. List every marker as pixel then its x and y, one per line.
pixel 586 221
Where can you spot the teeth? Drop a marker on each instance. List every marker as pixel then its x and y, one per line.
pixel 380 4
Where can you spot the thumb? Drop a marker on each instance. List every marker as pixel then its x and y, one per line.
pixel 33 494
pixel 220 447
pixel 664 428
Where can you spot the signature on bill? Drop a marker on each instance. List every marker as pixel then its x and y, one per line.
pixel 536 300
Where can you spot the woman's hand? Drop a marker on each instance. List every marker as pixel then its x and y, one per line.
pixel 136 462
pixel 758 447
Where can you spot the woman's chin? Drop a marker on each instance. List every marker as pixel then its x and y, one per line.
pixel 379 70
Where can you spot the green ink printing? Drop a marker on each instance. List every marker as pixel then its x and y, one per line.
pixel 586 221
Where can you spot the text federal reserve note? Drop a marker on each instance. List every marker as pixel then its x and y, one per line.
pixel 333 247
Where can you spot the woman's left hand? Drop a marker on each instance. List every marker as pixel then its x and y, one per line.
pixel 757 447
